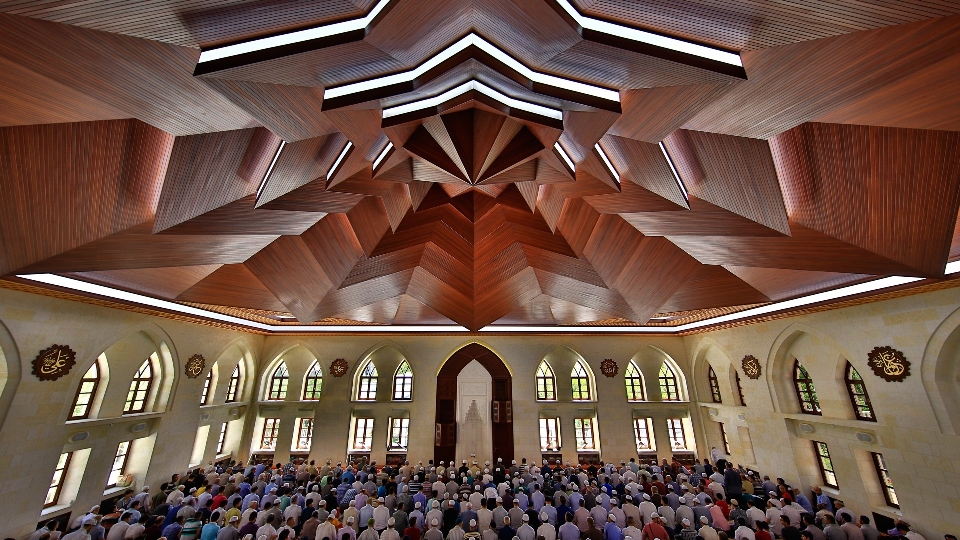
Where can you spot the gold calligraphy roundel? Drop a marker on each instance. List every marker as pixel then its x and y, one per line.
pixel 889 364
pixel 195 366
pixel 54 362
pixel 339 367
pixel 751 366
pixel 608 367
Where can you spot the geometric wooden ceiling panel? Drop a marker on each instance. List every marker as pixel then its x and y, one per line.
pixel 578 179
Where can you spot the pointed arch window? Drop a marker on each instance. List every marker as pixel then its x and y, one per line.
pixel 312 382
pixel 714 385
pixel 546 383
pixel 634 381
pixel 367 390
pixel 234 385
pixel 736 379
pixel 206 395
pixel 87 390
pixel 668 384
pixel 278 383
pixel 403 382
pixel 139 388
pixel 580 382
pixel 806 393
pixel 858 394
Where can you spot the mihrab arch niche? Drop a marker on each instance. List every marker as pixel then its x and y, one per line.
pixel 501 413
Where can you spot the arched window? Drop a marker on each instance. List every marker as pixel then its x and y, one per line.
pixel 367 390
pixel 139 388
pixel 85 393
pixel 234 384
pixel 312 382
pixel 668 384
pixel 403 382
pixel 634 381
pixel 278 383
pixel 546 383
pixel 806 394
pixel 206 395
pixel 743 401
pixel 714 385
pixel 858 394
pixel 580 382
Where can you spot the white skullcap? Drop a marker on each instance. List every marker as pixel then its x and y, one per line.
pixel 500 499
pixel 654 515
pixel 234 519
pixel 703 519
pixel 646 497
pixel 353 503
pixel 611 517
pixel 525 518
pixel 473 523
pixel 434 522
pixel 350 519
pixel 391 522
pixel 90 520
pixel 380 499
pixel 544 516
pixel 685 521
pixel 417 505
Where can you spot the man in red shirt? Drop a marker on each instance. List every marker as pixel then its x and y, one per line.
pixel 654 530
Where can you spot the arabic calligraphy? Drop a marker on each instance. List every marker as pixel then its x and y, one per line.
pixel 751 366
pixel 54 362
pixel 194 366
pixel 889 364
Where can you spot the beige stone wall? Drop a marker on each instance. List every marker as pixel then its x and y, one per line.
pixel 916 432
pixel 916 427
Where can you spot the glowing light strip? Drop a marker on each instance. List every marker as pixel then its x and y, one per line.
pixel 293 37
pixel 343 154
pixel 460 45
pixel 673 169
pixel 108 292
pixel 649 38
pixel 606 161
pixel 383 154
pixel 479 87
pixel 566 157
pixel 263 183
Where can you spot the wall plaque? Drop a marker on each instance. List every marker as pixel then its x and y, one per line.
pixel 608 367
pixel 339 367
pixel 54 362
pixel 889 364
pixel 751 366
pixel 194 366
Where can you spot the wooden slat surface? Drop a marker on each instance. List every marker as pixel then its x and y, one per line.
pixel 233 285
pixel 868 186
pixel 69 184
pixel 168 282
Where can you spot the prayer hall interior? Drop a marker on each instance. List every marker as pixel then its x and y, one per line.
pixel 572 247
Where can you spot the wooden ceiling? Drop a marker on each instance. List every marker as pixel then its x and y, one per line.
pixel 835 160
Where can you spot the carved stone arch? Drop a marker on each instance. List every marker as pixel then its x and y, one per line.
pixel 710 354
pixel 298 357
pixel 826 370
pixel 940 373
pixel 139 338
pixel 10 372
pixel 561 359
pixel 653 369
pixel 240 349
pixel 386 356
pixel 445 443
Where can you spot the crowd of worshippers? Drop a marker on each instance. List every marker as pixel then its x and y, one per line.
pixel 635 501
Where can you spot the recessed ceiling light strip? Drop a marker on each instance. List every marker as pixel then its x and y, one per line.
pixel 649 38
pixel 566 157
pixel 487 47
pixel 289 38
pixel 340 158
pixel 266 177
pixel 673 169
pixel 606 161
pixel 467 87
pixel 383 154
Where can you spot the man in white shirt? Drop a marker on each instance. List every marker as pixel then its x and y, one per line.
pixel 546 530
pixel 743 532
pixel 119 529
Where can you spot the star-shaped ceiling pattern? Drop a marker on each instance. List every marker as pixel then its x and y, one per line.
pixel 478 162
